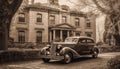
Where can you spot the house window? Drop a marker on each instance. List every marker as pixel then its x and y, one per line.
pixel 89 34
pixel 21 18
pixel 52 19
pixel 64 19
pixel 21 36
pixel 53 2
pixel 88 25
pixel 39 37
pixel 77 34
pixel 77 22
pixel 39 18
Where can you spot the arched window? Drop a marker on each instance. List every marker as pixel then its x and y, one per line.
pixel 88 24
pixel 52 20
pixel 39 37
pixel 89 34
pixel 39 18
pixel 21 36
pixel 64 19
pixel 21 18
pixel 77 22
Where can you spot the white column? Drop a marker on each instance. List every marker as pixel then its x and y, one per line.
pixel 54 35
pixel 50 36
pixel 73 32
pixel 61 36
pixel 68 33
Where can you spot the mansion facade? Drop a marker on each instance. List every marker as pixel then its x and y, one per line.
pixel 50 22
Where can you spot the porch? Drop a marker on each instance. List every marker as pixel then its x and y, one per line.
pixel 60 32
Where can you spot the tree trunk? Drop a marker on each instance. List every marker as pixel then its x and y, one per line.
pixel 7 11
pixel 112 27
pixel 117 40
pixel 115 18
pixel 4 38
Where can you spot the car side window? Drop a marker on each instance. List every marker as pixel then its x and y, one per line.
pixel 90 41
pixel 82 40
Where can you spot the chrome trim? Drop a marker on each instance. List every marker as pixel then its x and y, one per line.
pixel 72 50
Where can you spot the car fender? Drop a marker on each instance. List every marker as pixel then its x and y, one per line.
pixel 43 50
pixel 96 49
pixel 69 50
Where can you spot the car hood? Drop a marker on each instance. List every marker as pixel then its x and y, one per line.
pixel 65 44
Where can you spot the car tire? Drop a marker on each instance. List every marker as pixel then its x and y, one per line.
pixel 46 60
pixel 67 58
pixel 95 54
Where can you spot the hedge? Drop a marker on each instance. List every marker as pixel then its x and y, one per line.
pixel 105 49
pixel 114 63
pixel 19 55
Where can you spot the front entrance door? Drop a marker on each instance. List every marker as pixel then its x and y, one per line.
pixel 64 34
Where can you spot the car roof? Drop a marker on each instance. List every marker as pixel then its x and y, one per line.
pixel 81 37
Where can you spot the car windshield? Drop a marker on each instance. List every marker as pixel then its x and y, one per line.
pixel 71 39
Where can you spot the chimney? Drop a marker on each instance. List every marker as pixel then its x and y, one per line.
pixel 31 1
pixel 53 2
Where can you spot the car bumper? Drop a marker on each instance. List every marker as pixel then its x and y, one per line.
pixel 52 57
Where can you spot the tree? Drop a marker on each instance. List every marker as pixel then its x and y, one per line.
pixel 7 11
pixel 112 9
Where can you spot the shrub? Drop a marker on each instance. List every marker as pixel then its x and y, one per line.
pixel 99 43
pixel 114 63
pixel 11 56
pixel 19 55
pixel 104 49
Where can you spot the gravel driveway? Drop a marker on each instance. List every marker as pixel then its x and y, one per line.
pixel 82 63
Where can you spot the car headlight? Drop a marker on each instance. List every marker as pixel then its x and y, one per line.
pixel 47 53
pixel 48 45
pixel 59 46
pixel 44 50
pixel 58 54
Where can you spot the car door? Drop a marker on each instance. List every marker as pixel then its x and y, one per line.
pixel 89 45
pixel 81 45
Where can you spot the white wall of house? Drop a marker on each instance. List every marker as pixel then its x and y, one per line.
pixel 34 26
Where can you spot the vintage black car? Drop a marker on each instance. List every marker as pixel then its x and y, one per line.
pixel 72 47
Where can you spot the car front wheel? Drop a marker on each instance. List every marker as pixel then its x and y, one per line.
pixel 67 58
pixel 95 54
pixel 46 60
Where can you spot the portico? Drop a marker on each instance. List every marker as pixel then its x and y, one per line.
pixel 60 32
